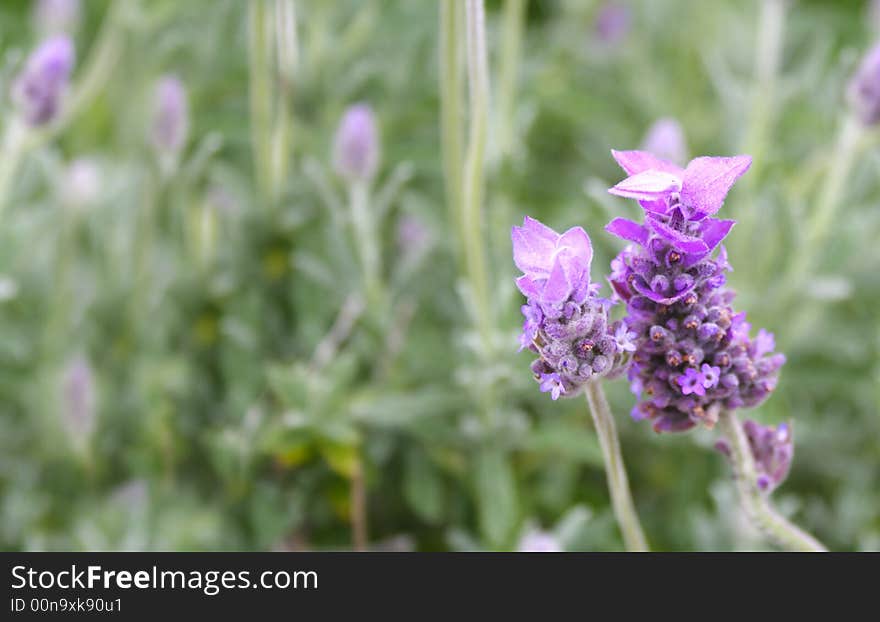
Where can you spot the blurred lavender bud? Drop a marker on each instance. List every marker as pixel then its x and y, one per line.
pixel 665 139
pixel 78 404
pixel 537 541
pixel 413 237
pixel 170 115
pixel 356 146
pixel 81 184
pixel 612 23
pixel 863 91
pixel 38 89
pixel 57 16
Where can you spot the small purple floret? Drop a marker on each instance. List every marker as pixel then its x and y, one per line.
pixel 38 89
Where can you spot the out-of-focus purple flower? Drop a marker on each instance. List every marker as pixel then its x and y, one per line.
pixel 82 182
pixel 413 237
pixel 772 449
pixel 78 398
pixel 863 91
pixel 665 139
pixel 38 89
pixel 693 353
pixel 356 146
pixel 54 16
pixel 537 541
pixel 566 323
pixel 170 115
pixel 613 23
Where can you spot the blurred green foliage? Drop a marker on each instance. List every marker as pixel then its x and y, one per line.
pixel 243 387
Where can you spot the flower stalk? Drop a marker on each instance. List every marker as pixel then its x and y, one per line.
pixel 755 503
pixel 451 20
pixel 618 484
pixel 473 181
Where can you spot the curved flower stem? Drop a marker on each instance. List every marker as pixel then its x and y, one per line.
pixel 618 485
pixel 511 43
pixel 756 505
pixel 260 56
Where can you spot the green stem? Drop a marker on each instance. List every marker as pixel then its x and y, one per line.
pixel 14 147
pixel 511 42
pixel 287 57
pixel 364 227
pixel 451 120
pixel 472 191
pixel 756 505
pixel 821 219
pixel 261 96
pixel 618 485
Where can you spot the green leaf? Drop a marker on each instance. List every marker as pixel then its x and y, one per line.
pixel 423 486
pixel 497 502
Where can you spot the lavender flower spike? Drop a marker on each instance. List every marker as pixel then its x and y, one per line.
pixel 694 357
pixel 666 139
pixel 566 323
pixel 78 399
pixel 772 449
pixel 170 115
pixel 38 89
pixel 356 146
pixel 863 91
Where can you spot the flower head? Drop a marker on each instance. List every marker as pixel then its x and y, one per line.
pixel 863 91
pixel 38 89
pixel 170 115
pixel 356 146
pixel 613 22
pixel 78 399
pixel 665 138
pixel 693 355
pixel 537 541
pixel 565 322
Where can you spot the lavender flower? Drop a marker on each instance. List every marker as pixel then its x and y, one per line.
pixel 566 323
pixel 772 449
pixel 665 139
pixel 54 16
pixel 78 398
pixel 693 353
pixel 38 89
pixel 170 115
pixel 612 23
pixel 537 541
pixel 863 91
pixel 356 146
pixel 81 184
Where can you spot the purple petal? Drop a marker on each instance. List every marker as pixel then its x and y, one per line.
pixel 533 248
pixel 628 230
pixel 649 185
pixel 578 243
pixel 714 230
pixel 635 162
pixel 706 182
pixel 528 287
pixel 679 240
pixel 558 287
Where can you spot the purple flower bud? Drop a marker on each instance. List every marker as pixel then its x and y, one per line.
pixel 612 23
pixel 82 183
pixel 38 89
pixel 773 450
pixel 539 542
pixel 863 91
pixel 356 146
pixel 170 115
pixel 54 16
pixel 665 139
pixel 413 237
pixel 78 399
